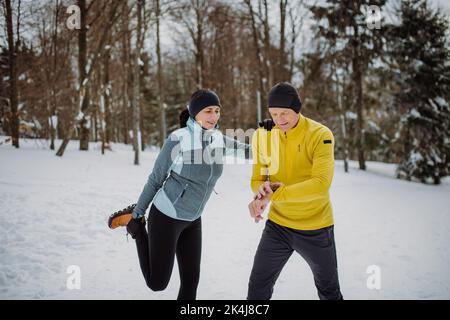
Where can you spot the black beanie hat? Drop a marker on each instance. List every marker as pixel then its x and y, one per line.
pixel 284 95
pixel 201 99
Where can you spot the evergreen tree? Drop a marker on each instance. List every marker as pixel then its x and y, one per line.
pixel 352 42
pixel 420 61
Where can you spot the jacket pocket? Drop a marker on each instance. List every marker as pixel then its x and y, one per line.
pixel 181 194
pixel 173 188
pixel 321 238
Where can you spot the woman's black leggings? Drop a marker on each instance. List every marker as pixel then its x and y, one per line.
pixel 157 248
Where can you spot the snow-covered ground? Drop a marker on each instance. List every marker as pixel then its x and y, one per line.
pixel 54 212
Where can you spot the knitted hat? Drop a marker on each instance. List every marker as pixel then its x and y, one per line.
pixel 201 99
pixel 284 95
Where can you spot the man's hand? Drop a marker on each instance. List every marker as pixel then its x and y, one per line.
pixel 262 199
pixel 257 207
pixel 267 189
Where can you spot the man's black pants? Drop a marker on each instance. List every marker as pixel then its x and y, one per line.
pixel 278 243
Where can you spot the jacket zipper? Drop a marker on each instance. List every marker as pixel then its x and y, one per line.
pixel 285 156
pixel 184 189
pixel 207 184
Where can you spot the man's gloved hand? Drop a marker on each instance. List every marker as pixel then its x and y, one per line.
pixel 267 124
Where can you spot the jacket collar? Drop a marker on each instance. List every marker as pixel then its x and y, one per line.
pixel 195 126
pixel 295 131
pixel 199 134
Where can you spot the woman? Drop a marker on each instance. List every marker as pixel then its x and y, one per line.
pixel 183 178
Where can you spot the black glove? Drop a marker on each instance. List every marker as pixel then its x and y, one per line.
pixel 268 124
pixel 136 226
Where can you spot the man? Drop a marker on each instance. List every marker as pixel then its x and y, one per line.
pixel 293 169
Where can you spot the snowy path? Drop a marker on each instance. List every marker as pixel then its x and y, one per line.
pixel 54 211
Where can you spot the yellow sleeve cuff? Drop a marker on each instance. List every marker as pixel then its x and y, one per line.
pixel 278 194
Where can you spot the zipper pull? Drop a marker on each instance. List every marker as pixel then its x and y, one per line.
pixel 184 189
pixel 215 191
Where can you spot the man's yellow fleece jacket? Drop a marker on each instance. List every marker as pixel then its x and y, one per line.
pixel 302 159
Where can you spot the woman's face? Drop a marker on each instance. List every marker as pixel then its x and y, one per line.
pixel 208 117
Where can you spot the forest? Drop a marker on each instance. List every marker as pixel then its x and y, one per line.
pixel 377 73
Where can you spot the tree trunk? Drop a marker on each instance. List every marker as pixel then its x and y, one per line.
pixel 343 124
pixel 13 92
pixel 136 84
pixel 52 134
pixel 359 108
pixel 281 74
pixel 52 82
pixel 163 129
pixel 107 125
pixel 94 125
pixel 112 17
pixel 128 92
pixel 258 54
pixel 103 98
pixel 82 62
pixel 55 65
pixel 141 124
pixel 267 47
pixel 344 140
pixel 64 144
pixel 199 57
pixel 294 36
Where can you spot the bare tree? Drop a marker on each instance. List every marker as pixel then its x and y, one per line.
pixel 282 61
pixel 163 125
pixel 136 80
pixel 340 81
pixel 105 103
pixel 13 42
pixel 357 63
pixel 296 19
pixel 48 43
pixel 193 14
pixel 82 64
pixel 264 17
pixel 95 57
pixel 54 53
pixel 259 57
pixel 127 67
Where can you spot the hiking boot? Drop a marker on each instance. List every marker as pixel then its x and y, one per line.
pixel 121 218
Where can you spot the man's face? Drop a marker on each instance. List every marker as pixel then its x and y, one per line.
pixel 284 118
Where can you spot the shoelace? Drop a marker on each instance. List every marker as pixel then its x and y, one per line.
pixel 127 209
pixel 130 208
